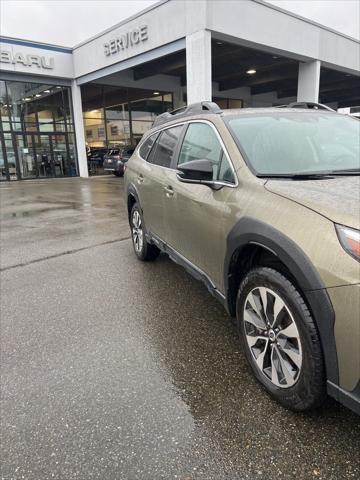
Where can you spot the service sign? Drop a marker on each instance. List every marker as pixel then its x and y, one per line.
pixel 126 40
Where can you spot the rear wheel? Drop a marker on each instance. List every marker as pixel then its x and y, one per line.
pixel 144 250
pixel 280 339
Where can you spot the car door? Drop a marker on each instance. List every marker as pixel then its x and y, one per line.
pixel 195 214
pixel 152 179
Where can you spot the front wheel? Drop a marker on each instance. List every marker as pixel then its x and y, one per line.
pixel 280 339
pixel 144 250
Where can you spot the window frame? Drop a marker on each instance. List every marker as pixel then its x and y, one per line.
pixel 156 134
pixel 224 149
pixel 185 124
pixel 173 163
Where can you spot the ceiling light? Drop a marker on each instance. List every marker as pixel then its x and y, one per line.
pixel 219 43
pixel 46 91
pixel 94 111
pixel 252 71
pixel 156 93
pixel 38 95
pixel 27 99
pixel 58 87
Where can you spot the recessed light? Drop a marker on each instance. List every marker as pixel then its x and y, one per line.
pixel 46 91
pixel 156 93
pixel 27 99
pixel 38 95
pixel 252 71
pixel 58 87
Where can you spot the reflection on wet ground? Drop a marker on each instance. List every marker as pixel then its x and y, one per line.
pixel 80 212
pixel 114 369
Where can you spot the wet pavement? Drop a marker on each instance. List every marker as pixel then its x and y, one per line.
pixel 116 370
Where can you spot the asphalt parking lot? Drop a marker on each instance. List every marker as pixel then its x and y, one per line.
pixel 116 370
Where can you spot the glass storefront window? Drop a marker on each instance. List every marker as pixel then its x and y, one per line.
pixel 2 166
pixel 115 116
pixel 36 122
pixel 11 157
pixel 4 107
pixel 118 125
pixel 225 103
pixel 94 125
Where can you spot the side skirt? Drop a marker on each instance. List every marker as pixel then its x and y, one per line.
pixel 349 399
pixel 194 271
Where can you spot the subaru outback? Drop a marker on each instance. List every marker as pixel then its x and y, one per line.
pixel 263 206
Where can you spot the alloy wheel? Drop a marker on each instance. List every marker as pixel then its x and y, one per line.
pixel 272 337
pixel 137 231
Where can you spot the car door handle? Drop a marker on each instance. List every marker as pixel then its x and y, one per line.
pixel 169 191
pixel 140 178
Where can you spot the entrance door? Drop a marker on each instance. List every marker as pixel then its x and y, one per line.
pixel 10 171
pixel 25 155
pixel 4 172
pixel 40 155
pixel 44 155
pixel 60 155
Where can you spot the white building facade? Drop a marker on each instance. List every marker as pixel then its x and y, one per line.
pixel 57 103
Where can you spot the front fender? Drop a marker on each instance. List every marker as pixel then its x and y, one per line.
pixel 249 231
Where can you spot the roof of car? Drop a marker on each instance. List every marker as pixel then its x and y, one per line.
pixel 243 111
pixel 205 110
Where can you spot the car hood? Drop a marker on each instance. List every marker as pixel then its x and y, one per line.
pixel 336 198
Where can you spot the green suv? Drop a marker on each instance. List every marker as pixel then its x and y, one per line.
pixel 263 206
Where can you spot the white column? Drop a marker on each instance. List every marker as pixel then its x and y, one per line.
pixel 309 81
pixel 79 129
pixel 198 67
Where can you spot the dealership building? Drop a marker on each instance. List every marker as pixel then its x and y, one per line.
pixel 57 103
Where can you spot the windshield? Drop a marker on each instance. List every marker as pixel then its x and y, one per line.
pixel 297 142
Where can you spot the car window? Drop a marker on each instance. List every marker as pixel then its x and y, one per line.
pixel 225 173
pixel 201 142
pixel 165 147
pixel 147 146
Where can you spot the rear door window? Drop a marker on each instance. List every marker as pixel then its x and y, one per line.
pixel 147 146
pixel 166 144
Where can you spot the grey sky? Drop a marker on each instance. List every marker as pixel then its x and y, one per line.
pixel 68 22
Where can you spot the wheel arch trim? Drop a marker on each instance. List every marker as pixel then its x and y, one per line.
pixel 249 231
pixel 131 190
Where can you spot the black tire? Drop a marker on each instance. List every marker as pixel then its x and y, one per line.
pixel 308 391
pixel 118 174
pixel 147 252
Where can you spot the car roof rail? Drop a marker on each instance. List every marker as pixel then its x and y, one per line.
pixel 192 109
pixel 311 105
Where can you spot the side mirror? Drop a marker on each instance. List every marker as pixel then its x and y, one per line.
pixel 196 171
